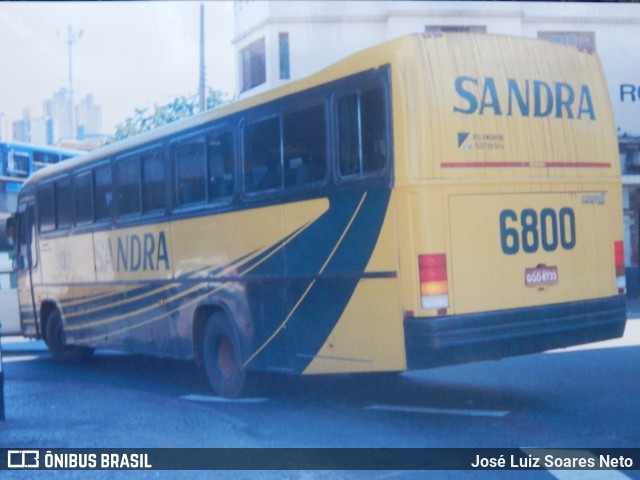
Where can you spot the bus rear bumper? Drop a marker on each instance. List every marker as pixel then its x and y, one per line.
pixel 432 342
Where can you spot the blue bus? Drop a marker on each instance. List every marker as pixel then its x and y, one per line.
pixel 18 161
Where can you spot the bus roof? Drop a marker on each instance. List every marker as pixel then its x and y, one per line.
pixel 42 148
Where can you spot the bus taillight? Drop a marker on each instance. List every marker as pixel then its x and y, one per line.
pixel 621 281
pixel 434 285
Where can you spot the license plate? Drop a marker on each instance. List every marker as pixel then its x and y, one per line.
pixel 540 276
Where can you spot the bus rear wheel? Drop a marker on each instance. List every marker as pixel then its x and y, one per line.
pixel 222 353
pixel 55 339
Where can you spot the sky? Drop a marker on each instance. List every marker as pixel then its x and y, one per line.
pixel 130 55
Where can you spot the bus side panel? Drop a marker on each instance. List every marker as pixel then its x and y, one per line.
pixel 326 263
pixel 121 305
pixel 369 335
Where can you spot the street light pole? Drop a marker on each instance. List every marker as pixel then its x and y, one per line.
pixel 73 36
pixel 201 89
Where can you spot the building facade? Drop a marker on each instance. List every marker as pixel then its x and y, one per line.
pixel 280 41
pixel 88 118
pixel 57 108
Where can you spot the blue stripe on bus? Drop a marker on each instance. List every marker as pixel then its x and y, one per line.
pixel 340 242
pixel 316 316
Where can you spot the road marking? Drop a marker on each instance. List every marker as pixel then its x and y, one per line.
pixel 439 411
pixel 213 399
pixel 20 358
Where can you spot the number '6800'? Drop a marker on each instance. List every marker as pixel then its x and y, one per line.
pixel 530 230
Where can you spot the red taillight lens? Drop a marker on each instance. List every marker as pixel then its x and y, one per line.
pixel 434 285
pixel 619 257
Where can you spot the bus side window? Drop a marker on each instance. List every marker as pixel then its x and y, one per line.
pixel 64 204
pixel 348 135
pixel 362 132
pixel 46 208
pixel 153 181
pixel 191 172
pixel 262 156
pixel 374 130
pixel 220 158
pixel 17 164
pixel 128 186
pixel 83 198
pixel 305 153
pixel 102 193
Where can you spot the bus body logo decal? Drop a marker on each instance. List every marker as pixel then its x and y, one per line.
pixel 528 98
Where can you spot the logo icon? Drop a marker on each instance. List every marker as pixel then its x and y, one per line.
pixel 465 141
pixel 23 459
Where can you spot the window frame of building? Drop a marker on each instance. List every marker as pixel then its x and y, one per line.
pixel 253 61
pixel 284 57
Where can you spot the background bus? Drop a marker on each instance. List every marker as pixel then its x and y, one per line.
pixel 17 162
pixel 428 201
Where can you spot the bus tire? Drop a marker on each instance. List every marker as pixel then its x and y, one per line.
pixel 222 355
pixel 55 339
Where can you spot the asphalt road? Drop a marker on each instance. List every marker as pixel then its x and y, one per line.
pixel 575 398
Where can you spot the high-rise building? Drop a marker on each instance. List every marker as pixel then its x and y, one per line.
pixel 57 108
pixel 88 117
pixel 22 128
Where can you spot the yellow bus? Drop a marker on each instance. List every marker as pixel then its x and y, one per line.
pixel 428 201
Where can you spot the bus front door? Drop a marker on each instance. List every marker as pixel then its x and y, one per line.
pixel 25 262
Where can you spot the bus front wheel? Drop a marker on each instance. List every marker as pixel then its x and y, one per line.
pixel 55 339
pixel 222 354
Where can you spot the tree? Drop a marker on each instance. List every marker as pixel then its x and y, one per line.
pixel 144 120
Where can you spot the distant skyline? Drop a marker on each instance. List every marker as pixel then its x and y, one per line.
pixel 131 54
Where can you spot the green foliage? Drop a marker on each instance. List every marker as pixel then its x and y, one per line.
pixel 144 120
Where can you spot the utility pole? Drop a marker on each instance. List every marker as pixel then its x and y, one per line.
pixel 201 90
pixel 73 36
